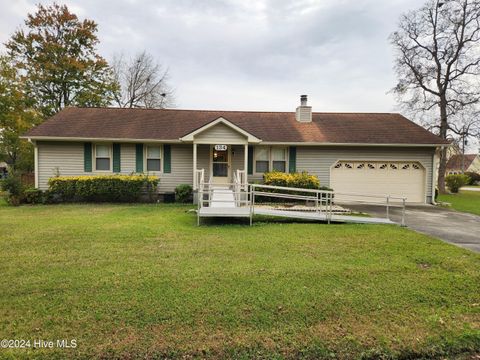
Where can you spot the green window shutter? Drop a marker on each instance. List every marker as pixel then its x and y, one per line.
pixel 292 159
pixel 139 158
pixel 116 158
pixel 167 159
pixel 87 157
pixel 250 160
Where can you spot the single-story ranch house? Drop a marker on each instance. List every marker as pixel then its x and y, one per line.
pixel 368 153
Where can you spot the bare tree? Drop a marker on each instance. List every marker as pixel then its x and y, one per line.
pixel 466 127
pixel 142 83
pixel 438 64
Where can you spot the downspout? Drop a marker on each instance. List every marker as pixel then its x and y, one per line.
pixel 435 170
pixel 35 163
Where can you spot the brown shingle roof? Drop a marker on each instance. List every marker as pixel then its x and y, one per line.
pixel 171 124
pixel 455 162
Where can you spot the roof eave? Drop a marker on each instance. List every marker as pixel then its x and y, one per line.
pixel 74 138
pixel 183 140
pixel 312 143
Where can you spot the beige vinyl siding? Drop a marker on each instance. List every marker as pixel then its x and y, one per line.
pixel 475 166
pixel 255 178
pixel 318 160
pixel 182 168
pixel 238 158
pixel 64 158
pixel 67 157
pixel 203 160
pixel 127 158
pixel 220 134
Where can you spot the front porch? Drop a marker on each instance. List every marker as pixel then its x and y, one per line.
pixel 220 149
pixel 220 163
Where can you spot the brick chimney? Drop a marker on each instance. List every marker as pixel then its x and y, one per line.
pixel 304 112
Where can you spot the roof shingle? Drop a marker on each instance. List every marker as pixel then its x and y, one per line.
pixel 455 161
pixel 171 124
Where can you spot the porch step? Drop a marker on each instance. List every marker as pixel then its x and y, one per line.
pixel 222 197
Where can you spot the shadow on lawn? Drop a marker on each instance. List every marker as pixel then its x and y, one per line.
pixel 259 220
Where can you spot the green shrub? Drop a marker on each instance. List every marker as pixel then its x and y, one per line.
pixel 301 180
pixel 474 178
pixel 183 193
pixel 33 196
pixel 296 180
pixel 49 197
pixel 101 188
pixel 455 182
pixel 12 184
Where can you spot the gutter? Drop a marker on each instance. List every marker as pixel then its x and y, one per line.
pixel 179 141
pixel 350 144
pixel 88 139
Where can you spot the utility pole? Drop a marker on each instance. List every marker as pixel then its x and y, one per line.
pixel 463 149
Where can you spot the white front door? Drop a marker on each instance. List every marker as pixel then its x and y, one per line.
pixel 220 156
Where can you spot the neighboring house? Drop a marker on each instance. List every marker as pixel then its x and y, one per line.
pixel 368 153
pixel 3 169
pixel 470 163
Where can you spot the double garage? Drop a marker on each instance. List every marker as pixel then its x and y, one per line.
pixel 380 178
pixel 379 171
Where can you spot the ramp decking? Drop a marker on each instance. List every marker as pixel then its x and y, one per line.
pixel 244 212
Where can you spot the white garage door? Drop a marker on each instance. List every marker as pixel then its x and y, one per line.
pixel 393 178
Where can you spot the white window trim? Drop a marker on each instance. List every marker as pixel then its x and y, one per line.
pixel 110 155
pixel 145 158
pixel 270 158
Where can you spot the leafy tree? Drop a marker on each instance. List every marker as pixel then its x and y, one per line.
pixel 57 56
pixel 16 117
pixel 438 65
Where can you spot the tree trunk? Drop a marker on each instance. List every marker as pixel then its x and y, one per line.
pixel 443 153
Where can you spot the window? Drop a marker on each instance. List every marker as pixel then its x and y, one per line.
pixel 270 158
pixel 102 157
pixel 279 159
pixel 153 158
pixel 261 159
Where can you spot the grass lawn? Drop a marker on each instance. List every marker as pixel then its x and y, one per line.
pixel 127 281
pixel 466 201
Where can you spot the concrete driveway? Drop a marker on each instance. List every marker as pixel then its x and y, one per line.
pixel 457 228
pixel 470 188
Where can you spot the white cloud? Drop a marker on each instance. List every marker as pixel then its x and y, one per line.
pixel 252 54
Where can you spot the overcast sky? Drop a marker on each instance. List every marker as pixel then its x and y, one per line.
pixel 252 55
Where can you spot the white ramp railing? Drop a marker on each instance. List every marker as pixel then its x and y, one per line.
pixel 322 199
pixel 198 178
pixel 245 195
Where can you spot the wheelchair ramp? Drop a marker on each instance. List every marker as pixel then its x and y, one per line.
pixel 310 215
